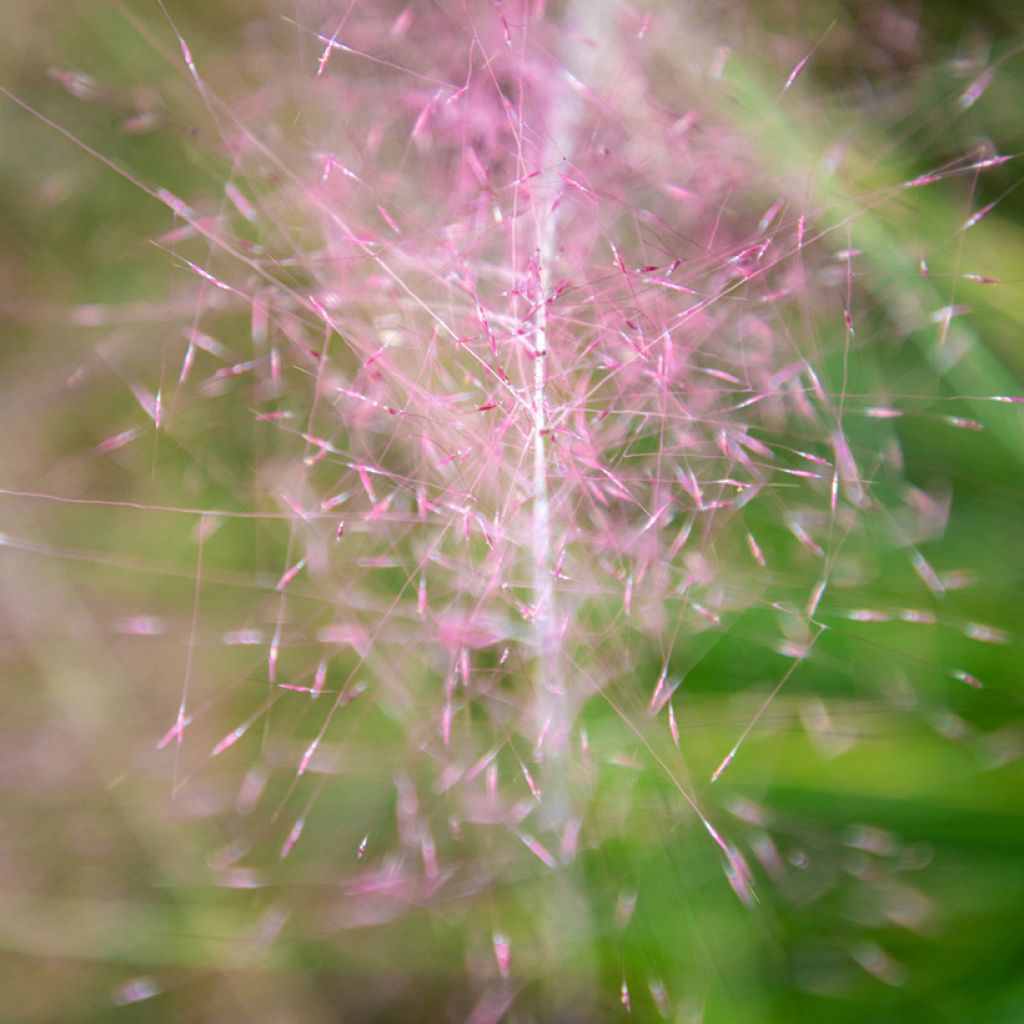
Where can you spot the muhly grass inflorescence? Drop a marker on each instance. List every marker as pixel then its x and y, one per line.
pixel 556 378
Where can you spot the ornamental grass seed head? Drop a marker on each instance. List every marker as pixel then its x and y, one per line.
pixel 521 363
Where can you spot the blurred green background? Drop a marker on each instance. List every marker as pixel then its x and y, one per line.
pixel 880 799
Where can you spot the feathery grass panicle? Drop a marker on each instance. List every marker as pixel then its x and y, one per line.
pixel 529 376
